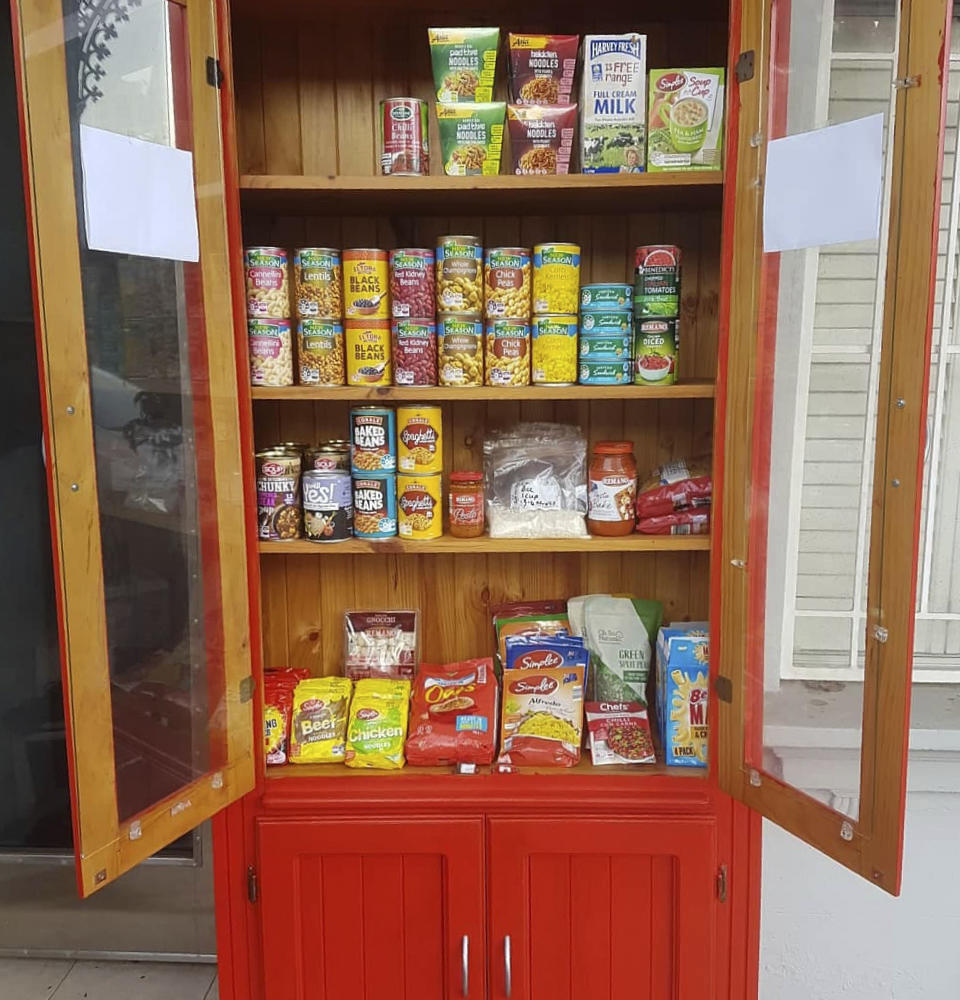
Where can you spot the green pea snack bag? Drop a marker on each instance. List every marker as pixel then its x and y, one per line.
pixel 464 63
pixel 620 633
pixel 685 126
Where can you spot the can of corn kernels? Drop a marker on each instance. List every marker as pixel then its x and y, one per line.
pixel 554 349
pixel 556 278
pixel 419 507
pixel 507 352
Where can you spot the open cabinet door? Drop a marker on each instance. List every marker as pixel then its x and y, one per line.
pixel 822 402
pixel 138 359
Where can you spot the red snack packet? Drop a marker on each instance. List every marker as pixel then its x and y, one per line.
pixel 683 522
pixel 674 486
pixel 542 67
pixel 541 138
pixel 453 714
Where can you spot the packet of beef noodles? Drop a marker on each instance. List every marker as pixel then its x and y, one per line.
pixel 318 726
pixel 542 67
pixel 541 138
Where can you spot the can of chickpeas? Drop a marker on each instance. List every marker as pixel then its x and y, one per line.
pixel 556 278
pixel 507 356
pixel 554 349
pixel 365 284
pixel 268 287
pixel 271 352
pixel 419 507
pixel 460 349
pixel 320 352
pixel 506 283
pixel 318 282
pixel 459 274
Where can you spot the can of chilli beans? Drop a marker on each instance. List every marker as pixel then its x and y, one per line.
pixel 279 518
pixel 318 282
pixel 373 439
pixel 420 439
pixel 365 284
pixel 375 506
pixel 268 287
pixel 327 506
pixel 414 344
pixel 412 282
pixel 368 352
pixel 404 141
pixel 419 507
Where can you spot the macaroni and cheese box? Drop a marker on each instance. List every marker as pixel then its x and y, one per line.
pixel 683 686
pixel 685 124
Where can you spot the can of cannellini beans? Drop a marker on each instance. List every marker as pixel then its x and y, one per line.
pixel 271 351
pixel 267 282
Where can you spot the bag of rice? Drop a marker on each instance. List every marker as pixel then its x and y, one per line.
pixel 619 632
pixel 319 722
pixel 378 724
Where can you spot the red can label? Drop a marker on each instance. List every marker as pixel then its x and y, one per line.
pixel 404 146
pixel 414 352
pixel 412 279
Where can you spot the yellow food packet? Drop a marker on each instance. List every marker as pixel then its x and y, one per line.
pixel 378 723
pixel 319 724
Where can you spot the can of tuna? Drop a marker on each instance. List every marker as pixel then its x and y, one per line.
pixel 327 506
pixel 656 289
pixel 373 439
pixel 365 284
pixel 375 506
pixel 554 349
pixel 606 298
pixel 267 282
pixel 606 323
pixel 419 507
pixel 656 351
pixel 606 372
pixel 612 347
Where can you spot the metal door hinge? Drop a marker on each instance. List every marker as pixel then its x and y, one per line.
pixel 906 82
pixel 722 883
pixel 252 890
pixel 745 66
pixel 214 72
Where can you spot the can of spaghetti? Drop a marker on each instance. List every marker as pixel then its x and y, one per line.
pixel 327 506
pixel 365 284
pixel 268 287
pixel 419 507
pixel 420 439
pixel 404 136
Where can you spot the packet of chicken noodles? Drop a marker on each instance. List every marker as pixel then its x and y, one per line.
pixel 378 724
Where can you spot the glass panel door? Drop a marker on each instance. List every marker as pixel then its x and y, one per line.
pixel 142 430
pixel 821 489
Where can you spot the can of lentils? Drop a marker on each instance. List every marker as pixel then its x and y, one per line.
pixel 271 352
pixel 459 274
pixel 320 352
pixel 318 282
pixel 656 351
pixel 328 457
pixel 554 349
pixel 507 352
pixel 507 283
pixel 556 278
pixel 412 282
pixel 373 439
pixel 404 136
pixel 419 507
pixel 327 506
pixel 375 506
pixel 606 298
pixel 365 284
pixel 267 283
pixel 368 351
pixel 279 518
pixel 414 343
pixel 656 289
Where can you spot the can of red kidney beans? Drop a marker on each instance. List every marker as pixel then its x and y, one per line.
pixel 412 273
pixel 404 143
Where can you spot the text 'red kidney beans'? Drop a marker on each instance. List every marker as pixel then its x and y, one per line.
pixel 414 351
pixel 412 283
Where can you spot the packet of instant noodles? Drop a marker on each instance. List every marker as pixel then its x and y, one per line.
pixel 619 733
pixel 378 724
pixel 536 624
pixel 319 722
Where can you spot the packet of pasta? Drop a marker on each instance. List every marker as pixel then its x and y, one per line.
pixel 542 719
pixel 378 724
pixel 319 723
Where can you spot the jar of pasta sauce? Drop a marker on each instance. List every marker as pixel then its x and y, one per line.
pixel 612 495
pixel 466 504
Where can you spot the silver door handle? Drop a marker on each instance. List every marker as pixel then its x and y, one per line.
pixel 507 968
pixel 465 966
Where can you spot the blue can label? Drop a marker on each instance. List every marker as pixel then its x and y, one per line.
pixel 375 506
pixel 373 439
pixel 606 322
pixel 613 347
pixel 606 372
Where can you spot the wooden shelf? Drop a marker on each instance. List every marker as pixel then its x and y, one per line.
pixel 507 194
pixel 448 545
pixel 690 389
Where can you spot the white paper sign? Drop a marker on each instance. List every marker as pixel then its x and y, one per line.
pixel 138 197
pixel 824 186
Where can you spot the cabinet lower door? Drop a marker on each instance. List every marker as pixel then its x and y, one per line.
pixel 602 909
pixel 371 910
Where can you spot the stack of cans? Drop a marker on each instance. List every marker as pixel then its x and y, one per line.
pixel 606 334
pixel 373 467
pixel 656 306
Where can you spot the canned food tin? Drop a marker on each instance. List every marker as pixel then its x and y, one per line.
pixel 278 495
pixel 318 282
pixel 605 323
pixel 271 352
pixel 606 298
pixel 507 353
pixel 327 506
pixel 328 457
pixel 556 278
pixel 459 274
pixel 404 138
pixel 320 352
pixel 606 372
pixel 365 284
pixel 460 349
pixel 295 447
pixel 368 352
pixel 414 343
pixel 419 507
pixel 375 506
pixel 656 351
pixel 609 347
pixel 420 439
pixel 656 289
pixel 268 288
pixel 373 439
pixel 554 349
pixel 412 281
pixel 507 283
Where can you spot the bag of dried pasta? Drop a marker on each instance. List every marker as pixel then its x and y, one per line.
pixel 319 723
pixel 542 717
pixel 378 724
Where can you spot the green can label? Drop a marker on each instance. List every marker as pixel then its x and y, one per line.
pixel 656 291
pixel 607 323
pixel 655 352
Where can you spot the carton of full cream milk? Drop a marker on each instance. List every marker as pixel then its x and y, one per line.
pixel 613 104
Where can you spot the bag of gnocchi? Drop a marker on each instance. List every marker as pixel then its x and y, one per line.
pixel 378 724
pixel 319 723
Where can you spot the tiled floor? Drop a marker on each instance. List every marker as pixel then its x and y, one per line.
pixel 41 979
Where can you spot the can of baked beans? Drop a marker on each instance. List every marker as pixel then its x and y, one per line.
pixel 420 439
pixel 419 507
pixel 279 518
pixel 328 457
pixel 373 439
pixel 327 506
pixel 365 285
pixel 375 506
pixel 368 352
pixel 318 282
pixel 404 136
pixel 268 287
pixel 271 351
pixel 320 352
pixel 412 282
pixel 414 345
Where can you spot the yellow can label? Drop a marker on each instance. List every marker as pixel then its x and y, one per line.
pixel 556 278
pixel 554 352
pixel 420 439
pixel 368 352
pixel 365 284
pixel 419 507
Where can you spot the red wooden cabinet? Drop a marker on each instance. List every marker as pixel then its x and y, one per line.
pixel 602 909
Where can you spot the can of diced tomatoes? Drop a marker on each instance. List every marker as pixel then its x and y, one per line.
pixel 656 351
pixel 404 142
